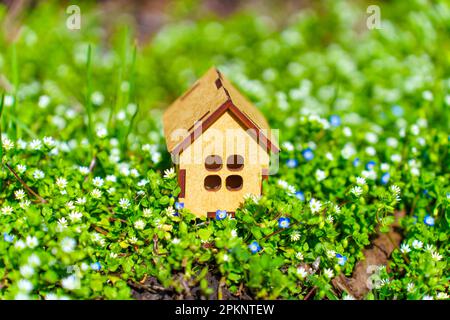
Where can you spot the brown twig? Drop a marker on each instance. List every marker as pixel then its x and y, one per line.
pixel 310 293
pixel 91 167
pixel 42 200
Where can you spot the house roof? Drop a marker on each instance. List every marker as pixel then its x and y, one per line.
pixel 200 106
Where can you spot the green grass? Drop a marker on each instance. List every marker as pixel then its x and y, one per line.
pixel 89 212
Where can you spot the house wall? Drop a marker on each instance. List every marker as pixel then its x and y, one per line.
pixel 224 138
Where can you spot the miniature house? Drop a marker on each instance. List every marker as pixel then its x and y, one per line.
pixel 220 143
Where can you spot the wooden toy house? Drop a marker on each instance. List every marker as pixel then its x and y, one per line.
pixel 220 143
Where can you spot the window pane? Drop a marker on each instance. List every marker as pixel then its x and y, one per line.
pixel 213 183
pixel 234 182
pixel 213 163
pixel 235 162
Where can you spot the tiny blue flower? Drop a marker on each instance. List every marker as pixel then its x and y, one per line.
pixel 335 120
pixel 179 205
pixel 429 220
pixel 341 259
pixel 254 247
pixel 308 154
pixel 397 110
pixel 300 195
pixel 96 266
pixel 7 237
pixel 221 214
pixel 356 162
pixel 292 163
pixel 385 178
pixel 425 193
pixel 370 165
pixel 448 195
pixel 283 222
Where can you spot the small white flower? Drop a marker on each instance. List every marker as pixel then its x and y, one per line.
pixel 49 142
pixel 404 248
pixel 299 256
pixel 392 142
pixel 436 256
pixel 169 173
pixel 26 271
pixel 7 210
pixel 133 240
pixel 329 156
pixel 384 167
pixel 134 173
pixel 124 203
pixel 75 216
pixel 328 273
pixel 19 194
pixel 348 151
pixel 396 158
pixel 442 296
pixel 34 260
pixel 70 205
pixel 347 131
pixel 427 297
pixel 19 245
pixel 102 133
pixel 24 204
pixel 170 211
pixel 83 170
pixel 51 297
pixel 139 224
pixel 24 285
pixel 8 100
pixel 371 137
pixel 295 236
pixel 330 219
pixel 371 151
pixel 337 209
pixel 410 287
pixel 288 146
pixel 176 241
pixel 315 205
pixel 147 212
pixel 348 297
pixel 96 193
pixel 21 168
pixel 98 182
pixel 36 144
pixel 32 242
pixel 7 144
pixel 68 244
pixel 142 183
pixel 62 223
pixel 429 248
pixel 356 190
pixel 111 190
pixel 417 244
pixel 44 101
pixel 61 183
pixel 38 174
pixel 234 233
pixel 331 253
pixel 97 98
pixel 360 181
pixel 302 272
pixel 80 201
pixel 113 255
pixel 21 144
pixel 320 175
pixel 111 178
pixel 71 282
pixel 395 190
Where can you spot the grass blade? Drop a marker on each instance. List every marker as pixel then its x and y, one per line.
pixel 88 98
pixel 1 139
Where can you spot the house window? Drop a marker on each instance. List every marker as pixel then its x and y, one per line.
pixel 235 162
pixel 212 183
pixel 234 182
pixel 213 163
